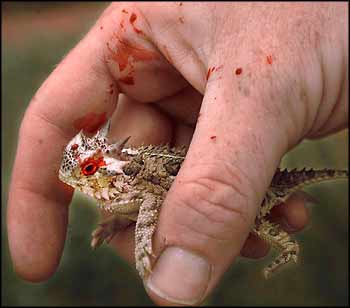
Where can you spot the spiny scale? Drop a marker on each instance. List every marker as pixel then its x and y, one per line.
pixel 295 178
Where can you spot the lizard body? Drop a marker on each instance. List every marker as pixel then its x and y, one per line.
pixel 131 183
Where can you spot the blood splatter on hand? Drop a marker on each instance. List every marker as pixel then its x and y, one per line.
pixel 260 103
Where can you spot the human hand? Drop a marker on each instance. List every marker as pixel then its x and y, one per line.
pixel 276 74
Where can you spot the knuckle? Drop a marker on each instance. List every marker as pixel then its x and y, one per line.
pixel 117 7
pixel 219 200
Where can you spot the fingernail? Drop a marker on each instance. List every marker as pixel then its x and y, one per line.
pixel 180 276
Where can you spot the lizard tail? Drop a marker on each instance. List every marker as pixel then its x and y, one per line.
pixel 298 179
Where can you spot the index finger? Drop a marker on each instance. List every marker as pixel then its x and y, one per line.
pixel 81 93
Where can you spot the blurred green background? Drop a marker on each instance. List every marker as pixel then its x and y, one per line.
pixel 35 37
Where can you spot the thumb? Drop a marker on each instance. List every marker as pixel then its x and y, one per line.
pixel 213 201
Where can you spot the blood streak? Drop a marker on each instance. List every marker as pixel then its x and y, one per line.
pixel 132 20
pixel 213 137
pixel 210 70
pixel 124 11
pixel 119 57
pixel 90 122
pixel 126 50
pixel 269 59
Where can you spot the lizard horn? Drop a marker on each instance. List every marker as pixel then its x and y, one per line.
pixel 120 145
pixel 82 137
pixel 117 147
pixel 79 139
pixel 103 131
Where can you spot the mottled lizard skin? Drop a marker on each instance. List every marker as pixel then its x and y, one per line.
pixel 131 184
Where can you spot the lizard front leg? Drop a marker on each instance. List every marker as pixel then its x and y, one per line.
pixel 112 224
pixel 145 226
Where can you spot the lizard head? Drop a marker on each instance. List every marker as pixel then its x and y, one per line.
pixel 91 162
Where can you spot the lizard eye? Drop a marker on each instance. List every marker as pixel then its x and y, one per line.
pixel 90 168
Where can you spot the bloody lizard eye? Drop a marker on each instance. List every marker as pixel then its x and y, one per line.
pixel 90 168
pixel 91 165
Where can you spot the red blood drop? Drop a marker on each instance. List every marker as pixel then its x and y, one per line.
pixel 269 59
pixel 132 18
pixel 238 71
pixel 74 147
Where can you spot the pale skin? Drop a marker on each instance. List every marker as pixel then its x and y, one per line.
pixel 293 84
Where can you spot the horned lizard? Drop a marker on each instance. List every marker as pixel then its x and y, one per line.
pixel 131 184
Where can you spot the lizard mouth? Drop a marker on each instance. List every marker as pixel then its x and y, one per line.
pixel 65 179
pixel 61 176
